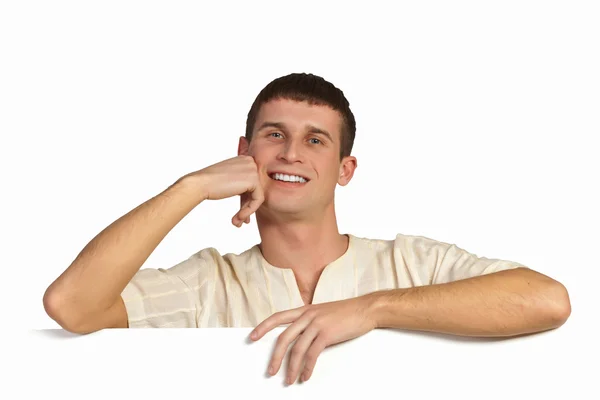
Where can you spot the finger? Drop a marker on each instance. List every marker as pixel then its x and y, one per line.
pixel 285 339
pixel 279 318
pixel 253 204
pixel 239 217
pixel 317 347
pixel 236 221
pixel 299 350
pixel 248 207
pixel 257 197
pixel 243 202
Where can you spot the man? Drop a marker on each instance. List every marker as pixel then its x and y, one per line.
pixel 329 287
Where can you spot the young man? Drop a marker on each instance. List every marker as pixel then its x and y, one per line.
pixel 330 287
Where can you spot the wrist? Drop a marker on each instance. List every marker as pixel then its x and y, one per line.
pixel 376 305
pixel 193 186
pixel 379 305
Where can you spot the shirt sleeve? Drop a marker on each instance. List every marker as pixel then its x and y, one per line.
pixel 439 262
pixel 165 298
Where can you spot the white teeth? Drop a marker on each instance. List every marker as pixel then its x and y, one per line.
pixel 288 178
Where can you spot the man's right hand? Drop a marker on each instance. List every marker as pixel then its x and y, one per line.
pixel 231 177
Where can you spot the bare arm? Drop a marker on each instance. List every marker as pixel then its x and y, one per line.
pixel 505 303
pixel 87 295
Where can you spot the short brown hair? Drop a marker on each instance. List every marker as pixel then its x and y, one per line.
pixel 314 90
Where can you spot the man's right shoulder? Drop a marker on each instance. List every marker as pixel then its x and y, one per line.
pixel 208 258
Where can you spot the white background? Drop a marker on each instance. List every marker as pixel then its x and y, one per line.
pixel 477 124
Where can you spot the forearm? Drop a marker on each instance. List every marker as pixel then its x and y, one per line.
pixel 98 275
pixel 505 303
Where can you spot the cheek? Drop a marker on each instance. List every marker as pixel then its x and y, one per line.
pixel 332 175
pixel 261 154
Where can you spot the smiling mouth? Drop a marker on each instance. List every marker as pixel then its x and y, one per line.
pixel 288 183
pixel 293 178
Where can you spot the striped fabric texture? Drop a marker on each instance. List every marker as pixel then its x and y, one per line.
pixel 241 290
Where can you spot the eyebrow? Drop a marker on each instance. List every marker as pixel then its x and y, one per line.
pixel 281 125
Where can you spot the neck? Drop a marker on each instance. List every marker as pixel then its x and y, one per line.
pixel 305 246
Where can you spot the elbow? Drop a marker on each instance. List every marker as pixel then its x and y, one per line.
pixel 552 297
pixel 54 305
pixel 560 305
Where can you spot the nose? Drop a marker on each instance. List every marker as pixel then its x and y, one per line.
pixel 289 152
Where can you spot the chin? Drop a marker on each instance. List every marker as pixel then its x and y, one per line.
pixel 283 206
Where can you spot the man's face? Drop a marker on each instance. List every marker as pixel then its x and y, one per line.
pixel 296 138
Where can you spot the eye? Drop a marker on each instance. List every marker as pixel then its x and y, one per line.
pixel 274 133
pixel 316 140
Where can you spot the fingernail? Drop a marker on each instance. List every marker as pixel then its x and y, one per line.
pixel 253 335
pixel 271 370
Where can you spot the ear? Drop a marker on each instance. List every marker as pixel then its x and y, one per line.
pixel 243 146
pixel 347 168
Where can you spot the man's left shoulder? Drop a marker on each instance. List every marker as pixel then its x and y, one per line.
pixel 374 244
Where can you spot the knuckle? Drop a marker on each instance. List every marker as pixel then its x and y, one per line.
pixel 325 333
pixel 319 322
pixel 324 339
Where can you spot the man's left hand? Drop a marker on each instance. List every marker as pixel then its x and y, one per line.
pixel 316 326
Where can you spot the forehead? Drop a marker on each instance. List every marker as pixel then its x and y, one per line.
pixel 298 114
